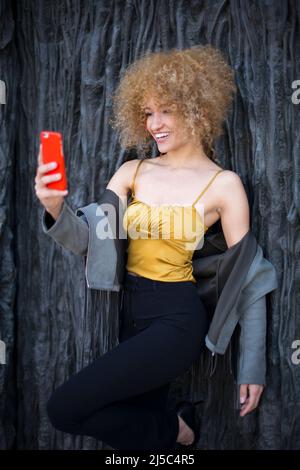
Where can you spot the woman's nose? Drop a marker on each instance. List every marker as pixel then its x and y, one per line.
pixel 156 122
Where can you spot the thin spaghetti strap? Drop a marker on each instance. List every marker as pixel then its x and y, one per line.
pixel 136 170
pixel 209 183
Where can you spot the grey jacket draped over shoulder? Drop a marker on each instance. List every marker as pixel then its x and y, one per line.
pixel 232 282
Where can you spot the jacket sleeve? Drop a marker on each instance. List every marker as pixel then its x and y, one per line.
pixel 68 230
pixel 252 344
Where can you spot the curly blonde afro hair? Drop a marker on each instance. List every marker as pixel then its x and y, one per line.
pixel 196 83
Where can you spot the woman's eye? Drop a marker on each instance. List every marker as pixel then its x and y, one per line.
pixel 165 111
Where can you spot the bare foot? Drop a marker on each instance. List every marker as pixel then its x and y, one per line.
pixel 186 435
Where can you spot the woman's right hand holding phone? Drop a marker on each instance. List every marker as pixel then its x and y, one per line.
pixel 51 199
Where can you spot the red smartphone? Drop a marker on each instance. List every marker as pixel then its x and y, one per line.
pixel 52 151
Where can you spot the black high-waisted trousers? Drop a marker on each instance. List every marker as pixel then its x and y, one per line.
pixel 121 397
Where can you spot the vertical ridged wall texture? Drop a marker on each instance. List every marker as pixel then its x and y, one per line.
pixel 61 62
pixel 8 313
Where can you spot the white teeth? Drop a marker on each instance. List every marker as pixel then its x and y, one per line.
pixel 161 135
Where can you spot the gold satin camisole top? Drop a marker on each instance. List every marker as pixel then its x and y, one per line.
pixel 162 238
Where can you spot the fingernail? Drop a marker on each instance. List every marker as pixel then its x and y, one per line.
pixel 52 165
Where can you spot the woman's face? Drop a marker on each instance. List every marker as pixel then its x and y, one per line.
pixel 165 127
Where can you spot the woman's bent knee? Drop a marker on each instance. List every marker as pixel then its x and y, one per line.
pixel 58 415
pixel 53 411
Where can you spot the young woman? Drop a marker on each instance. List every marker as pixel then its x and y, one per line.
pixel 179 99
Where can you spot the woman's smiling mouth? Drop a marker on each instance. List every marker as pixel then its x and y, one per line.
pixel 161 136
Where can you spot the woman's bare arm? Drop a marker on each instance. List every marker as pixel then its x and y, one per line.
pixel 235 219
pixel 121 181
pixel 234 207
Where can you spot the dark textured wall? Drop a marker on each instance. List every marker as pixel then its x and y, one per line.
pixel 8 314
pixel 61 62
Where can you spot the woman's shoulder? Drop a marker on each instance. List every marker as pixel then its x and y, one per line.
pixel 121 180
pixel 229 178
pixel 131 165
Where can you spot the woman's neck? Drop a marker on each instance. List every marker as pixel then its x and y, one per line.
pixel 184 161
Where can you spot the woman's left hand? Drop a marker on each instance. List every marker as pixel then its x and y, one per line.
pixel 249 397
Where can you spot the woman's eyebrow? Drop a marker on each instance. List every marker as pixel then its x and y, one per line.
pixel 159 107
